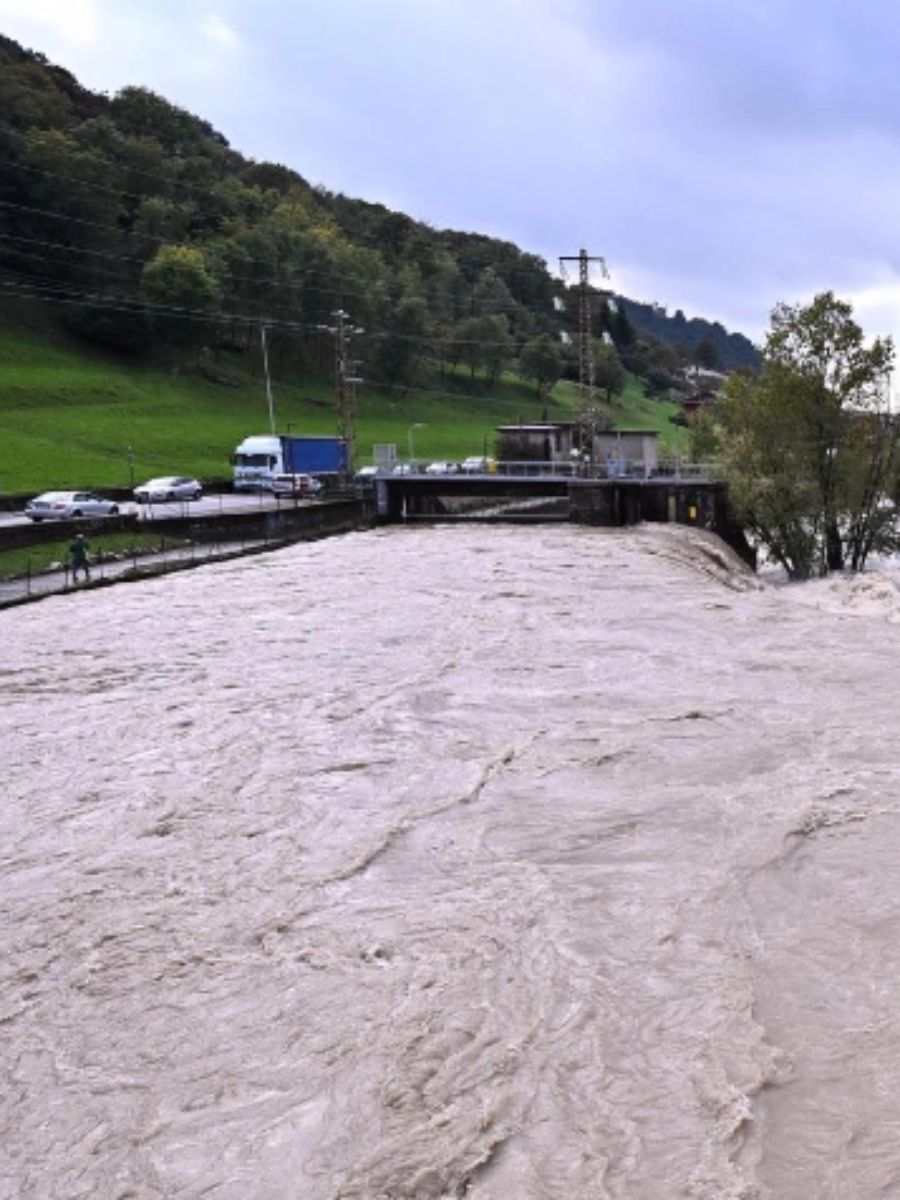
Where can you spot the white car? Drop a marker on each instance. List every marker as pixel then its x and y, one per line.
pixel 475 464
pixel 168 487
pixel 66 506
pixel 441 468
pixel 295 486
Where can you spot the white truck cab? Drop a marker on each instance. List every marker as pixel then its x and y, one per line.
pixel 257 460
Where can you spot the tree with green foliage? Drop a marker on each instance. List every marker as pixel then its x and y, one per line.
pixel 400 347
pixel 541 361
pixel 485 343
pixel 706 355
pixel 498 346
pixel 177 279
pixel 491 296
pixel 620 328
pixel 808 446
pixel 609 374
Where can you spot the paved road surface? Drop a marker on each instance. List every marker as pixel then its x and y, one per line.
pixel 215 503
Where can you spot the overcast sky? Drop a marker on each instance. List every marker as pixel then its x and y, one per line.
pixel 720 154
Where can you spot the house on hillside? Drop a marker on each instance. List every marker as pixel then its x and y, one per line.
pixel 697 402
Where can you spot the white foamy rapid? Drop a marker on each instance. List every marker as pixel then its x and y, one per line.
pixel 506 864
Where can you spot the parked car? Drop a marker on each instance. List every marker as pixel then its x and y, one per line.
pixel 64 506
pixel 477 464
pixel 168 487
pixel 296 486
pixel 367 472
pixel 441 468
pixel 406 468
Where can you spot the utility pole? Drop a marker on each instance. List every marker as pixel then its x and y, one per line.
pixel 588 414
pixel 265 355
pixel 346 380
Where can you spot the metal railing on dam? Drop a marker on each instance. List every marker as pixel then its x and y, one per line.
pixel 668 468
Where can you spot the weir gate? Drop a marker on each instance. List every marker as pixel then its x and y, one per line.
pixel 535 492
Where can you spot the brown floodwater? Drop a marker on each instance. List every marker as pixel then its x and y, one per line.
pixel 421 864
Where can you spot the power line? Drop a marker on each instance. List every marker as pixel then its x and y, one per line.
pixel 253 321
pixel 62 294
pixel 208 251
pixel 441 236
pixel 54 289
pixel 142 302
pixel 303 289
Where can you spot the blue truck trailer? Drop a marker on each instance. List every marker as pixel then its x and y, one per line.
pixel 257 460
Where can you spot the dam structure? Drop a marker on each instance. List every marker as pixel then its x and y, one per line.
pixel 540 492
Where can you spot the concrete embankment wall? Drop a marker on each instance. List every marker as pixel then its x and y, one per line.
pixel 313 520
pixel 14 537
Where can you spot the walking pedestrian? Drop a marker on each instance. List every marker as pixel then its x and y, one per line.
pixel 78 555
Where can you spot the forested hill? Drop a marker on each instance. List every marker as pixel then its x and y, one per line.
pixel 731 350
pixel 136 225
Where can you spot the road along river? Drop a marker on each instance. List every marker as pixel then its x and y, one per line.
pixel 506 864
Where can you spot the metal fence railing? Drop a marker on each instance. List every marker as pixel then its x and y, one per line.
pixel 608 468
pixel 163 553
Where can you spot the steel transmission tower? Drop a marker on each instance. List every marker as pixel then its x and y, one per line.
pixel 587 420
pixel 346 380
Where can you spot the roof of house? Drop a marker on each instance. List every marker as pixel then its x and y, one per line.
pixel 538 427
pixel 565 426
pixel 628 433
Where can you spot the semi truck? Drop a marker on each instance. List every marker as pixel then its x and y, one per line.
pixel 257 460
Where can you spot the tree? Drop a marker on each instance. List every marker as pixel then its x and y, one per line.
pixel 609 374
pixel 621 328
pixel 497 346
pixel 400 347
pixel 177 280
pixel 808 446
pixel 484 342
pixel 706 355
pixel 491 297
pixel 540 360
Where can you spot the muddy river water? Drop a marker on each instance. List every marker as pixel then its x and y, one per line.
pixel 506 864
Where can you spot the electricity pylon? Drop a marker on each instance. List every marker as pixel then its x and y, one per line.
pixel 587 417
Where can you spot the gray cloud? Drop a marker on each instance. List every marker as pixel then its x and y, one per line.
pixel 722 156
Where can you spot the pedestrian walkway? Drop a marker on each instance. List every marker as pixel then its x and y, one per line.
pixel 104 573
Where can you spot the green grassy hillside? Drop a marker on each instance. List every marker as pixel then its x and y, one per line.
pixel 71 417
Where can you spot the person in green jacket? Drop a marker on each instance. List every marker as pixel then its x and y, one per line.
pixel 78 555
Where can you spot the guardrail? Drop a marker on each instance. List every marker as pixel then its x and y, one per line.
pixel 671 468
pixel 674 468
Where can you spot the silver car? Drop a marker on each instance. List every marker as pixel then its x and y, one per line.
pixel 169 487
pixel 65 506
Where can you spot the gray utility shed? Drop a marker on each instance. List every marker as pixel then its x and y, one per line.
pixel 630 448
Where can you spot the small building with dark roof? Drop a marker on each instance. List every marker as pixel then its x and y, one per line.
pixel 556 442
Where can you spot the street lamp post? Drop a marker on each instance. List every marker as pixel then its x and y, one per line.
pixel 409 436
